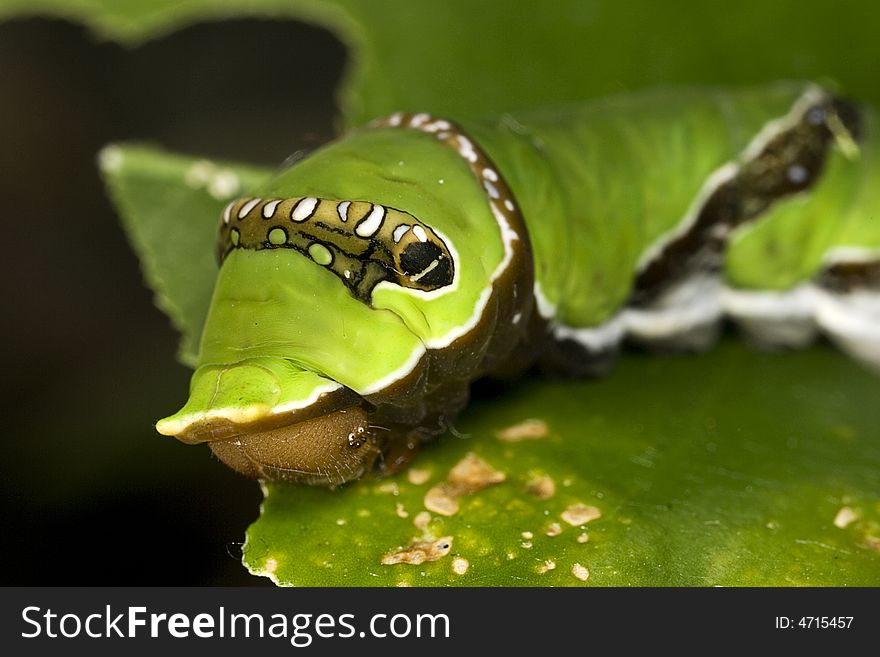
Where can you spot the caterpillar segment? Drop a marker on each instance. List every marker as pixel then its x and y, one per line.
pixel 364 288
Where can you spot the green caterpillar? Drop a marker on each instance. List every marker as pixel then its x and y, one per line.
pixel 364 288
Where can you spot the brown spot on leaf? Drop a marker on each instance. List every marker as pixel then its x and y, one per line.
pixel 583 538
pixel 580 514
pixel 546 567
pixel 541 486
pixel 417 476
pixel 472 474
pixel 553 529
pixel 460 565
pixel 468 476
pixel 389 487
pixel 530 429
pixel 400 511
pixel 580 572
pixel 845 517
pixel 872 543
pixel 421 520
pixel 442 499
pixel 420 552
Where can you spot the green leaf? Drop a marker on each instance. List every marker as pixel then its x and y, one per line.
pixel 448 58
pixel 170 205
pixel 733 468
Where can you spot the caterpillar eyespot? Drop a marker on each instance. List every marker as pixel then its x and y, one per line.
pixel 357 299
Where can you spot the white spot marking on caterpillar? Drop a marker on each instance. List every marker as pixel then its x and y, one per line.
pixel 797 174
pixel 508 204
pixel 270 207
pixel 466 149
pixel 247 207
pixel 399 232
pixel 441 181
pixel 304 209
pixel 490 174
pixel 444 135
pixel 227 213
pixel 224 184
pixel 491 190
pixel 342 210
pixel 369 226
pixel 395 119
pixel 347 273
pixel 436 126
pixel 110 159
pixel 418 120
pixel 420 233
pixel 517 317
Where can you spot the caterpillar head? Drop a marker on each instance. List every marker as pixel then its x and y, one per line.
pixel 268 419
pixel 293 332
pixel 343 329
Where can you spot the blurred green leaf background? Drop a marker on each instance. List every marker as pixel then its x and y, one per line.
pixel 728 469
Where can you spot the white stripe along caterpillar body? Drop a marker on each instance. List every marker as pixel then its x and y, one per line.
pixel 366 286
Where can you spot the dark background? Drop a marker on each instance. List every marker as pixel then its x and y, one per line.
pixel 92 495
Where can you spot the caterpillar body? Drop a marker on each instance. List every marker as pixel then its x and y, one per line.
pixel 364 288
